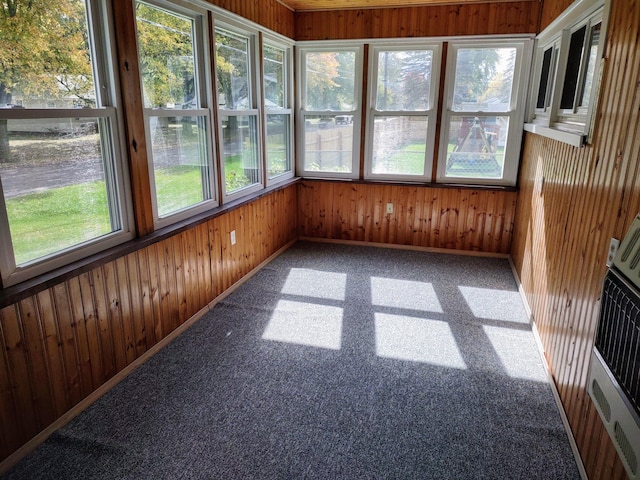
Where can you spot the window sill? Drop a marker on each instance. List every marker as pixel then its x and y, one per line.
pixel 572 138
pixel 15 293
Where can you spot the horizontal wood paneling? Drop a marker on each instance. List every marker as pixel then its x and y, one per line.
pixel 561 236
pixel 268 13
pixel 58 346
pixel 453 218
pixel 425 21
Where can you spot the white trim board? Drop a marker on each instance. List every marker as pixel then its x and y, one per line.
pixel 552 383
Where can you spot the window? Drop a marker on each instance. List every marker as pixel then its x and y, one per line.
pixel 236 87
pixel 401 118
pixel 177 119
pixel 565 74
pixel 581 63
pixel 277 76
pixel 547 74
pixel 63 191
pixel 482 119
pixel 329 117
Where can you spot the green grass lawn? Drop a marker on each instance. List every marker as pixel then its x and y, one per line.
pixel 46 222
pixel 409 160
pixel 50 221
pixel 178 188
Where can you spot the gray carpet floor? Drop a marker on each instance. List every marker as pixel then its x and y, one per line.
pixel 336 362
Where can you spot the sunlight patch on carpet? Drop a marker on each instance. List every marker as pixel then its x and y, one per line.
pixel 492 304
pixel 305 282
pixel 407 294
pixel 517 352
pixel 305 324
pixel 417 340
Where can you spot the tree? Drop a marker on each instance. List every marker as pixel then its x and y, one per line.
pixel 232 68
pixel 165 44
pixel 475 67
pixel 322 70
pixel 44 54
pixel 45 49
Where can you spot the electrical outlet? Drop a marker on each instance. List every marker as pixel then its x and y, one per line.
pixel 389 207
pixel 233 237
pixel 613 249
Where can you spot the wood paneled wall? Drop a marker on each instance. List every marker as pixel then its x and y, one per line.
pixel 58 346
pixel 429 21
pixel 268 13
pixel 551 10
pixel 460 219
pixel 561 235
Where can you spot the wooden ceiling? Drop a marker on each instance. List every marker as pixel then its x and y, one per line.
pixel 310 5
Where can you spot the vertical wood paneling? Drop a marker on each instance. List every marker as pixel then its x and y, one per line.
pixel 268 13
pixel 58 346
pixel 561 236
pixel 460 219
pixel 424 21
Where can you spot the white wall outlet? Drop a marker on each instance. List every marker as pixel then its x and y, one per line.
pixel 233 237
pixel 613 249
pixel 389 207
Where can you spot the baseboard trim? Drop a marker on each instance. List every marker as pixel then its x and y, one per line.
pixel 448 251
pixel 32 444
pixel 550 380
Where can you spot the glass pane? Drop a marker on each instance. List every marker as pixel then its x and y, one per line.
pixel 330 81
pixel 544 78
pixel 232 69
pixel 594 41
pixel 274 77
pixel 240 145
pixel 46 59
pixel 167 62
pixel 573 69
pixel 278 157
pixel 484 79
pixel 399 145
pixel 328 143
pixel 55 187
pixel 180 162
pixel 476 146
pixel 404 80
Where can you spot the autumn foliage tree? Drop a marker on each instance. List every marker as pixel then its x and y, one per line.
pixel 44 54
pixel 166 57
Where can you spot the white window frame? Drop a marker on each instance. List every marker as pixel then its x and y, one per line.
pixel 202 62
pixel 572 126
pixel 328 46
pixel 515 113
pixel 287 47
pixel 254 81
pixel 431 113
pixel 108 99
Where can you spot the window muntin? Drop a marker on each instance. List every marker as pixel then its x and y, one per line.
pixel 238 112
pixel 329 117
pixel 401 123
pixel 277 100
pixel 480 143
pixel 177 120
pixel 62 173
